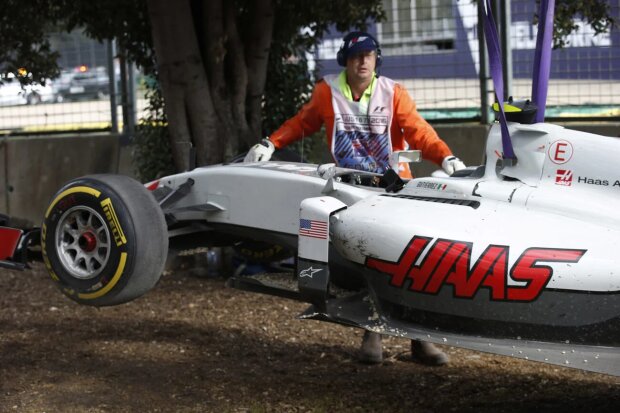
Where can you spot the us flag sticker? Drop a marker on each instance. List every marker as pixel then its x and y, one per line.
pixel 564 177
pixel 313 228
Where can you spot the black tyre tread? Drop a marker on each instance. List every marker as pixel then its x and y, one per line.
pixel 151 236
pixel 149 228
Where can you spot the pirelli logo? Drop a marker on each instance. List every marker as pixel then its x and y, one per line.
pixel 115 225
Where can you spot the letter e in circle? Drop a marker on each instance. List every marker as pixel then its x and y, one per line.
pixel 560 152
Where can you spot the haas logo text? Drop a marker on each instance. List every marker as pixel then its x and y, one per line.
pixel 449 262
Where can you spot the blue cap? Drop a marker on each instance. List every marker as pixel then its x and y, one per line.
pixel 357 42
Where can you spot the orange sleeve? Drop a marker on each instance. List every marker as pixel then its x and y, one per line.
pixel 417 132
pixel 307 121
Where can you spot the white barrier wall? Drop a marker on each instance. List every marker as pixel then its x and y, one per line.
pixel 33 168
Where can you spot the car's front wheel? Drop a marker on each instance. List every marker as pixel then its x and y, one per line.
pixel 104 240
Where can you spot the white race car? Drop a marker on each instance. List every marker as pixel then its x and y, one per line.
pixel 515 257
pixel 516 260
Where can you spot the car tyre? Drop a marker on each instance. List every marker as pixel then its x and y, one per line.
pixel 104 240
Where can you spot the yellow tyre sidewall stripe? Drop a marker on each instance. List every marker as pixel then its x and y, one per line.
pixel 111 284
pixel 75 189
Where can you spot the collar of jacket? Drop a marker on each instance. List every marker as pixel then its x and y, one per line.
pixel 345 89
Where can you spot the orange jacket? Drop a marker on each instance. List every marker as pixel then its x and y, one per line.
pixel 407 124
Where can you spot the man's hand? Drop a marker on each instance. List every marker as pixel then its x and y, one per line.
pixel 452 164
pixel 260 152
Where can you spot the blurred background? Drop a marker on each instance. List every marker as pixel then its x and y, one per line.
pixel 433 47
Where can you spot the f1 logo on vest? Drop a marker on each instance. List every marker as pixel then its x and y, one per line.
pixel 378 109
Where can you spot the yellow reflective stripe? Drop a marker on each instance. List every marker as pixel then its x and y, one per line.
pixel 111 284
pixel 507 108
pixel 70 191
pixel 345 89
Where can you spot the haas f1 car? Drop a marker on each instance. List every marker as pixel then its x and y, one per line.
pixel 515 259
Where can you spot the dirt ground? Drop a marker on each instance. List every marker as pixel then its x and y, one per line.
pixel 193 345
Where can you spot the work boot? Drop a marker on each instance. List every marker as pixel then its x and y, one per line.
pixel 371 351
pixel 424 352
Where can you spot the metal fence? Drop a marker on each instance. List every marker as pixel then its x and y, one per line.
pixel 433 48
pixel 88 95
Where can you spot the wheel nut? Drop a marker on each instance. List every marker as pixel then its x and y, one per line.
pixel 88 241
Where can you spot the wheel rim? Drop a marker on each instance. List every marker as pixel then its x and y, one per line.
pixel 83 242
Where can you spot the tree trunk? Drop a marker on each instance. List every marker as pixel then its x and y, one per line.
pixel 215 55
pixel 213 96
pixel 185 87
pixel 239 77
pixel 257 58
